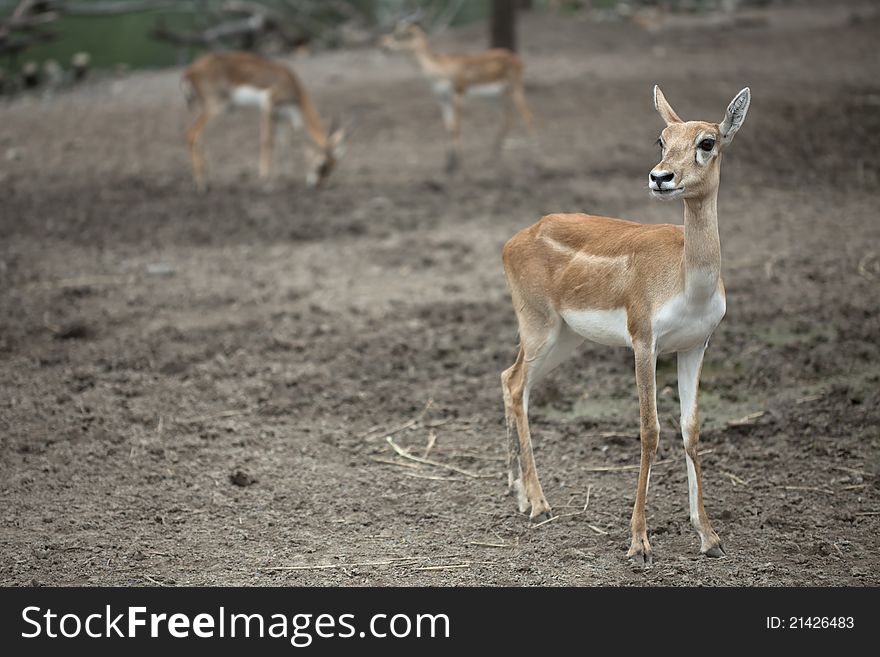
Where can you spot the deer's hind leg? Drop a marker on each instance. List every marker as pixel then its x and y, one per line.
pixel 194 139
pixel 545 341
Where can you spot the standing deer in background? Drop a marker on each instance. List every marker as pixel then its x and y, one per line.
pixel 497 72
pixel 219 81
pixel 654 288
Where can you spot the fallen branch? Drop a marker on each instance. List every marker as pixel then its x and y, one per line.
pixel 431 477
pixel 390 462
pixel 403 427
pixel 748 419
pixel 734 479
pixel 330 566
pixel 418 459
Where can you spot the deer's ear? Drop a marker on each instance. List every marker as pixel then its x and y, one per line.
pixel 664 109
pixel 736 114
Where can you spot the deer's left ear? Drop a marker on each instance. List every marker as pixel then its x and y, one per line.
pixel 664 109
pixel 736 114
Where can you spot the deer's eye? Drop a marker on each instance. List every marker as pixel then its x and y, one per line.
pixel 707 145
pixel 660 143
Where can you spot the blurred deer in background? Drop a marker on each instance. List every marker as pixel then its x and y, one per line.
pixel 654 288
pixel 220 81
pixel 497 72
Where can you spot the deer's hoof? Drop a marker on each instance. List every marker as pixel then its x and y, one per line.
pixel 544 516
pixel 715 552
pixel 641 559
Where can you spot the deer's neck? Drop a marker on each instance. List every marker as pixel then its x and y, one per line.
pixel 427 61
pixel 702 247
pixel 312 121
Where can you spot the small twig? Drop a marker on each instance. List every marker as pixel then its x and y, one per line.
pixel 154 581
pixel 587 503
pixel 431 477
pixel 405 454
pixel 390 462
pixel 445 567
pixel 748 419
pixel 867 513
pixel 81 281
pixel 541 524
pixel 809 398
pixel 597 530
pixel 854 487
pixel 328 566
pixel 860 473
pixel 214 416
pixel 403 427
pixel 432 438
pixel 491 545
pixel 810 488
pixel 734 479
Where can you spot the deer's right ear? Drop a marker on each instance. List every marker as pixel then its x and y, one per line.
pixel 735 115
pixel 663 108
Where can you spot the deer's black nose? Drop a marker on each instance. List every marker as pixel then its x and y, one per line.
pixel 662 177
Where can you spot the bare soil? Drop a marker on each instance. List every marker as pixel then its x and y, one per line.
pixel 196 389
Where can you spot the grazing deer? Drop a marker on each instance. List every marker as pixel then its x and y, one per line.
pixel 497 72
pixel 222 80
pixel 654 288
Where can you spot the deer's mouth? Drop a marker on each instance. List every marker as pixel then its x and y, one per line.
pixel 666 193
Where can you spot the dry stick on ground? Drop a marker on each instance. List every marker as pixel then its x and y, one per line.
pixel 748 419
pixel 404 561
pixel 809 398
pixel 734 479
pixel 491 545
pixel 432 477
pixel 418 459
pixel 432 438
pixel 587 503
pixel 448 567
pixel 403 427
pixel 213 416
pixel 854 471
pixel 390 462
pixel 81 281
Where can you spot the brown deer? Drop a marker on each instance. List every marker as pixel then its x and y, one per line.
pixel 220 81
pixel 654 288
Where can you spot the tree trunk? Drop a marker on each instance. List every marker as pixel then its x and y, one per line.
pixel 502 25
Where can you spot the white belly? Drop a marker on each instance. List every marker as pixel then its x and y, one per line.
pixel 606 327
pixel 247 96
pixel 489 90
pixel 680 326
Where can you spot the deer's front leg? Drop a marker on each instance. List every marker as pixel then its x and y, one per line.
pixel 450 103
pixel 267 134
pixel 689 366
pixel 646 367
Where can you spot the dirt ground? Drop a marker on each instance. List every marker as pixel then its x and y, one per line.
pixel 197 389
